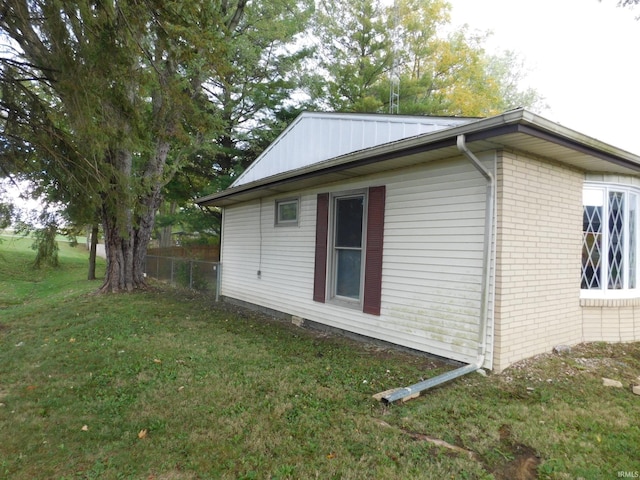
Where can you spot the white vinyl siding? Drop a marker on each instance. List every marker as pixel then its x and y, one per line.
pixel 432 260
pixel 282 258
pixel 434 231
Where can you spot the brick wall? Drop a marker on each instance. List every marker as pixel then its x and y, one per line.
pixel 538 257
pixel 615 320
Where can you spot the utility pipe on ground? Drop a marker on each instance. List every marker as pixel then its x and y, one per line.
pixel 405 392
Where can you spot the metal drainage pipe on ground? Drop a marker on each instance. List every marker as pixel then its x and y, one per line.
pixel 403 393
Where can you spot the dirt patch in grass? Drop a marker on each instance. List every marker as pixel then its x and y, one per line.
pixel 508 460
pixel 172 475
pixel 524 463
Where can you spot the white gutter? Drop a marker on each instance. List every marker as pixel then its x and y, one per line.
pixel 485 293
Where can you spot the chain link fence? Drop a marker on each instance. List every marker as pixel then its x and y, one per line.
pixel 183 272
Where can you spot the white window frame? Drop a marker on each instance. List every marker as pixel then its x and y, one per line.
pixel 332 271
pixel 605 292
pixel 279 222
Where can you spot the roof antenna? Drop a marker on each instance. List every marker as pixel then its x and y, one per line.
pixel 394 75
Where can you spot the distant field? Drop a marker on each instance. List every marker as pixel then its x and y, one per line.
pixel 8 234
pixel 166 384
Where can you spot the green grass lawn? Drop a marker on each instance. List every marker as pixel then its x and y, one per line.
pixel 167 384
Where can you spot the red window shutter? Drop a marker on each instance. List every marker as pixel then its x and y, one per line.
pixel 322 231
pixel 373 261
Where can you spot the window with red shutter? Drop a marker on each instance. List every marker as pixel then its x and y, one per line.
pixel 373 262
pixel 322 232
pixel 351 249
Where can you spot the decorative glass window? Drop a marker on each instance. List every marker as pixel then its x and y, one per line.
pixel 609 240
pixel 287 212
pixel 347 242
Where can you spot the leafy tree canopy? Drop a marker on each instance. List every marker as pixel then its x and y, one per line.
pixel 440 73
pixel 101 101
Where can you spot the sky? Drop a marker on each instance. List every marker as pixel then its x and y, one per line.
pixel 582 56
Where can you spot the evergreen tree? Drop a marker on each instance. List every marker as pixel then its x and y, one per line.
pixel 102 98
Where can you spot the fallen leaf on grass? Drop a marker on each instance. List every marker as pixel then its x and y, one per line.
pixel 157 360
pixel 142 434
pixel 331 456
pixel 72 340
pixel 85 428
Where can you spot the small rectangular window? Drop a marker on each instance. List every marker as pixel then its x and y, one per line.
pixel 287 212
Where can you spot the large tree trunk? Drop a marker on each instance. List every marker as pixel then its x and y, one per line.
pixel 128 223
pixel 118 244
pixel 117 221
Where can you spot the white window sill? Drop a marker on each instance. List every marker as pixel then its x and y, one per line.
pixel 610 299
pixel 346 302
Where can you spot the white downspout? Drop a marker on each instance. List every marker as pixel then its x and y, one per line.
pixel 485 293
